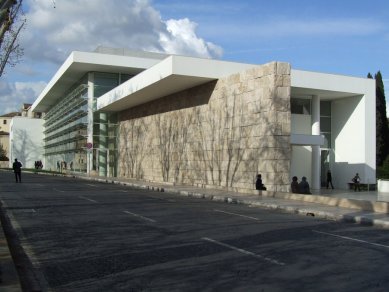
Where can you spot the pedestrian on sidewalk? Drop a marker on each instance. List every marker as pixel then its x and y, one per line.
pixel 357 182
pixel 17 167
pixel 304 186
pixel 294 186
pixel 329 179
pixel 258 184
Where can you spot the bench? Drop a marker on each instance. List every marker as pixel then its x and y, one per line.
pixel 362 186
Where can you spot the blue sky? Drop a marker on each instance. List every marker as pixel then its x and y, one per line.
pixel 342 37
pixel 345 37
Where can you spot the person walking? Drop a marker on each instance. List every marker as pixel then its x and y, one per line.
pixel 357 182
pixel 17 167
pixel 329 179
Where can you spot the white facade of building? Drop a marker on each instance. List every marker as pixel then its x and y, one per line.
pixel 352 106
pixel 26 141
pixel 332 116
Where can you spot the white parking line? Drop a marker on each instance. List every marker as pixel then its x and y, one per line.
pixel 90 200
pixel 246 252
pixel 249 217
pixel 139 216
pixel 29 211
pixel 352 239
pixel 163 199
pixel 57 190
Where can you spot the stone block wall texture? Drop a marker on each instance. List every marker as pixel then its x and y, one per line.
pixel 220 134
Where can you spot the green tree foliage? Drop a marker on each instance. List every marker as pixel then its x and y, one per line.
pixel 382 129
pixel 383 171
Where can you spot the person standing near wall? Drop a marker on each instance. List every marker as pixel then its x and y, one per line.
pixel 329 179
pixel 258 184
pixel 17 167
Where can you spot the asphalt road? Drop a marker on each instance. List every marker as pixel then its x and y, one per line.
pixel 87 236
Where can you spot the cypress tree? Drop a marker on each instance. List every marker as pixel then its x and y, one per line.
pixel 382 129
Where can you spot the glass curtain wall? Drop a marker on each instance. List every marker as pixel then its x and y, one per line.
pixel 105 126
pixel 325 130
pixel 66 129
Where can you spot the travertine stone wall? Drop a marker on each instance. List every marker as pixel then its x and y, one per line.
pixel 220 134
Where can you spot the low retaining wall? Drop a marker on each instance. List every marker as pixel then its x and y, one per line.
pixel 4 164
pixel 379 207
pixel 383 186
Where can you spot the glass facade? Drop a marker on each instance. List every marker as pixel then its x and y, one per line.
pixel 66 128
pixel 325 122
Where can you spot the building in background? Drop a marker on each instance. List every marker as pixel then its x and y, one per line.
pixel 5 121
pixel 26 141
pixel 204 122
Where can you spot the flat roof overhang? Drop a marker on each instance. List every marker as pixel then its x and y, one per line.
pixel 305 84
pixel 80 63
pixel 171 75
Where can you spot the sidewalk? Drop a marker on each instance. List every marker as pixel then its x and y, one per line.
pixel 368 208
pixel 9 280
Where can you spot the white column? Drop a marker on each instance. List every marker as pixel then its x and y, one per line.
pixel 315 149
pixel 103 144
pixel 91 94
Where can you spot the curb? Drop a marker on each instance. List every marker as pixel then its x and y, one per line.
pixel 359 219
pixel 27 274
pixel 314 212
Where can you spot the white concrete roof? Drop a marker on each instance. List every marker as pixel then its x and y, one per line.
pixel 158 75
pixel 173 74
pixel 328 86
pixel 79 63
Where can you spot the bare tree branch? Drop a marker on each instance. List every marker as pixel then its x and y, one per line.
pixel 10 27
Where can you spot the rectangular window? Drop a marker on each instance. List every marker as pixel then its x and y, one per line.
pixel 4 122
pixel 300 106
pixel 325 122
pixel 325 108
pixel 104 82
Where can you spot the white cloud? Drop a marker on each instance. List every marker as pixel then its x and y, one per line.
pixel 180 38
pixel 14 94
pixel 52 33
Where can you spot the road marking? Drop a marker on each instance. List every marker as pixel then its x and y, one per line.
pixel 90 200
pixel 139 216
pixel 91 185
pixel 249 217
pixel 352 239
pixel 246 252
pixel 57 190
pixel 29 211
pixel 162 199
